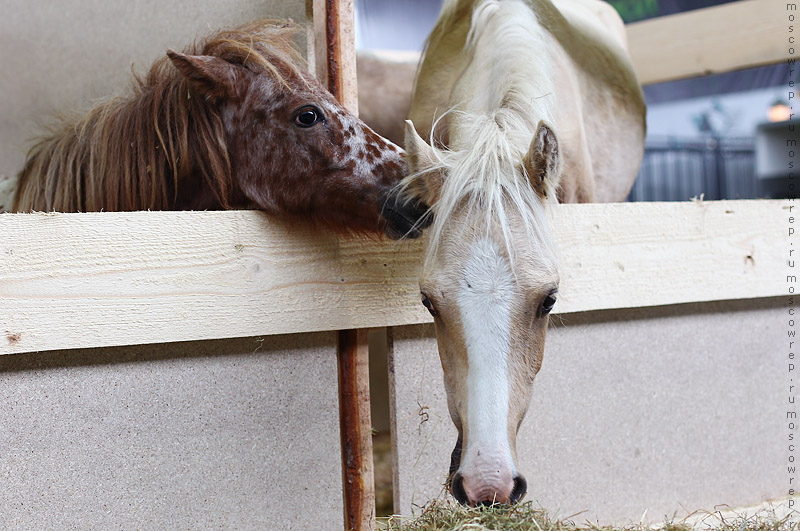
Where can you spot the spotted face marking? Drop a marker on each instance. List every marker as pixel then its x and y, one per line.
pixel 311 138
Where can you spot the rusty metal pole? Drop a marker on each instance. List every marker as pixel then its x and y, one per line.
pixel 353 349
pixel 341 64
pixel 356 430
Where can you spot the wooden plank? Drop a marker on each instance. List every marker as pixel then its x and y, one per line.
pixel 653 254
pixel 108 279
pixel 716 39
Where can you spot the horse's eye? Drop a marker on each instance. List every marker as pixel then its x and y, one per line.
pixel 547 304
pixel 429 305
pixel 307 116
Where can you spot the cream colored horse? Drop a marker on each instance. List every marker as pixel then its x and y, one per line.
pixel 531 101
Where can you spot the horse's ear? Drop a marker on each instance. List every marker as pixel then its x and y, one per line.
pixel 422 163
pixel 542 163
pixel 213 77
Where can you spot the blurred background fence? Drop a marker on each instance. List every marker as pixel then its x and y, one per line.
pixel 676 169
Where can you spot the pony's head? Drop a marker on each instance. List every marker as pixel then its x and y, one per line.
pixel 232 122
pixel 293 148
pixel 489 280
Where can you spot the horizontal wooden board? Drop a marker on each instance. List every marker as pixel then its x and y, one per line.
pixel 717 39
pixel 106 279
pixel 650 254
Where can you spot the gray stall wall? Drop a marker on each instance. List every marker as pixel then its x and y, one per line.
pixel 229 434
pixel 61 57
pixel 664 410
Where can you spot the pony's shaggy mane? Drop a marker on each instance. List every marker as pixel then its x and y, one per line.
pixel 491 131
pixel 132 152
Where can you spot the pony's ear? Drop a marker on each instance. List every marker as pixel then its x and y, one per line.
pixel 542 163
pixel 213 77
pixel 427 176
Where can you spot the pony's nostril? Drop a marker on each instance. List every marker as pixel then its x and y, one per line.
pixel 457 488
pixel 520 488
pixel 404 218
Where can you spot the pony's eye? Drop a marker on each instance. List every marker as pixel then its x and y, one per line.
pixel 429 305
pixel 547 304
pixel 307 116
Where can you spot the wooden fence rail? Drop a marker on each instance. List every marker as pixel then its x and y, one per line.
pixel 109 279
pixel 716 39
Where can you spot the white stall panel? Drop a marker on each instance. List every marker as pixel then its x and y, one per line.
pixel 233 434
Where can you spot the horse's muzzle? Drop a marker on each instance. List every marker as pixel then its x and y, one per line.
pixel 517 492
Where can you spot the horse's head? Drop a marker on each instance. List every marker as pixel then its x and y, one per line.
pixel 293 148
pixel 489 280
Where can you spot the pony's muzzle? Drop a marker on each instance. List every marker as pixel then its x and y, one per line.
pixel 504 495
pixel 404 217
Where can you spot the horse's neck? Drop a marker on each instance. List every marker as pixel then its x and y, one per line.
pixel 508 74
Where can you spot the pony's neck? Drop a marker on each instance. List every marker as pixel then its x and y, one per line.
pixel 192 138
pixel 193 194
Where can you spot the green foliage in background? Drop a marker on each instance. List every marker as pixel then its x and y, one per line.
pixel 633 10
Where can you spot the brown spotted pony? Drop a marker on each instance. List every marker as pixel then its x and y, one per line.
pixel 232 122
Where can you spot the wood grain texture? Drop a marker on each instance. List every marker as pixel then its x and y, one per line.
pixel 716 39
pixel 650 254
pixel 107 279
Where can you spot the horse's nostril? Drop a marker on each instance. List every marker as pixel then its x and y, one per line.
pixel 457 488
pixel 520 488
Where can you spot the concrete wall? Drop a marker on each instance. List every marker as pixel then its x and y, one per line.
pixel 229 434
pixel 664 410
pixel 60 57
